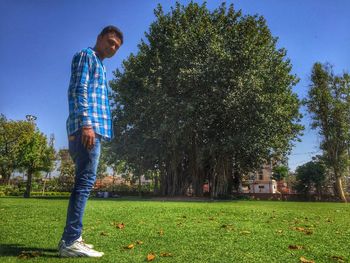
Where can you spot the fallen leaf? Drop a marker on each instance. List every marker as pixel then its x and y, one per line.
pixel 280 231
pixel 305 231
pixel 139 242
pixel 131 246
pixel 308 232
pixel 295 247
pixel 151 257
pixel 228 226
pixel 121 226
pixel 338 258
pixel 165 254
pixel 118 225
pixel 161 232
pixel 304 260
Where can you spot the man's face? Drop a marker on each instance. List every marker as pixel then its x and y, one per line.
pixel 108 45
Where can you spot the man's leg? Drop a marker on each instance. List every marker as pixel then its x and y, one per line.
pixel 86 162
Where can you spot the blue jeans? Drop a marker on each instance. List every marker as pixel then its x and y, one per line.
pixel 86 162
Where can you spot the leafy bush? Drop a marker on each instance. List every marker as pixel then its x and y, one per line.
pixel 11 190
pixel 50 194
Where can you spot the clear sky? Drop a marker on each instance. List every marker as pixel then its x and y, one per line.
pixel 39 38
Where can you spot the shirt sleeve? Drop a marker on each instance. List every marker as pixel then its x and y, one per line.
pixel 81 68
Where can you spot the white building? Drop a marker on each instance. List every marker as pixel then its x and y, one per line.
pixel 261 181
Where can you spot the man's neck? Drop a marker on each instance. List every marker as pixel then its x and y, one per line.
pixel 98 54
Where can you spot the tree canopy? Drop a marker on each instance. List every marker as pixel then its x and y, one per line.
pixel 208 96
pixel 329 104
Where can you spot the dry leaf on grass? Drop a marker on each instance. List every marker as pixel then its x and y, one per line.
pixel 279 231
pixel 228 226
pixel 304 260
pixel 338 258
pixel 131 246
pixel 118 225
pixel 295 247
pixel 302 229
pixel 165 254
pixel 161 232
pixel 139 242
pixel 151 257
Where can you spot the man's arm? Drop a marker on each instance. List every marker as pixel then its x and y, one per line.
pixel 81 69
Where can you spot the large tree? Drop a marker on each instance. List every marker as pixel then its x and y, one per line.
pixel 12 135
pixel 329 104
pixel 35 155
pixel 311 176
pixel 207 96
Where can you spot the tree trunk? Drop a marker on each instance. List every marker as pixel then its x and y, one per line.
pixel 156 187
pixel 339 188
pixel 29 185
pixel 140 194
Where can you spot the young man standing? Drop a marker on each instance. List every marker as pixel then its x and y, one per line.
pixel 88 122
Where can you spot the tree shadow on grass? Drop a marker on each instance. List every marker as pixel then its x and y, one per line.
pixel 21 251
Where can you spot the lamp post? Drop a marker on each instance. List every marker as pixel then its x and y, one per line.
pixel 31 118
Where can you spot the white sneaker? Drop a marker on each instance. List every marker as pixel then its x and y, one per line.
pixel 81 240
pixel 77 249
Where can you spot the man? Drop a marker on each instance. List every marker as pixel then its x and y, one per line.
pixel 89 121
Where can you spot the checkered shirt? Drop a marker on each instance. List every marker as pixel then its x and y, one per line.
pixel 88 95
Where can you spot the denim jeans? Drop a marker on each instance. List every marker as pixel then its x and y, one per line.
pixel 86 162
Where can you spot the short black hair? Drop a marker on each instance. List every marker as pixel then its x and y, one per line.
pixel 114 29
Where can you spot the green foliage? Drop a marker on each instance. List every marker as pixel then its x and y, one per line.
pixel 329 104
pixel 35 155
pixel 207 93
pixel 280 172
pixel 66 169
pixel 310 176
pixel 124 188
pixel 13 134
pixel 25 148
pixel 50 194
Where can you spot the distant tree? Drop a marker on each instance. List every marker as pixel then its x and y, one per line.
pixel 329 104
pixel 66 169
pixel 279 172
pixel 35 155
pixel 311 175
pixel 12 135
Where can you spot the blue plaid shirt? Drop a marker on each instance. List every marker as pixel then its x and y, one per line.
pixel 88 95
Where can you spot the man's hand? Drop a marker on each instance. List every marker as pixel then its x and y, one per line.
pixel 88 137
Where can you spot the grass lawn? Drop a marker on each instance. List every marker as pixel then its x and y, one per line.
pixel 232 231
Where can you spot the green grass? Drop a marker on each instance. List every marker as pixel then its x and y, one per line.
pixel 234 231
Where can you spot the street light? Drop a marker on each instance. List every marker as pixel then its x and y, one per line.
pixel 31 118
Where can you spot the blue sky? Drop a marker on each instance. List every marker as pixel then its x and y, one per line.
pixel 39 38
